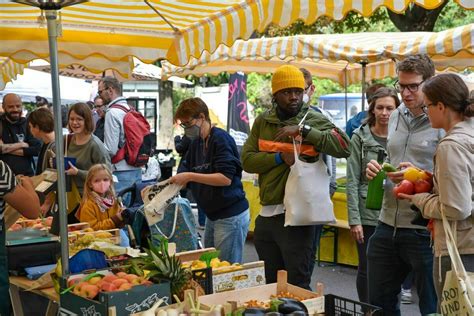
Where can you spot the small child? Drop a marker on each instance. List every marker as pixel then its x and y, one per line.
pixel 99 206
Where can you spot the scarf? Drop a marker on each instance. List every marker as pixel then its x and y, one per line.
pixel 105 202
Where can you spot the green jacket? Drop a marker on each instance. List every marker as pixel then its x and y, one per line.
pixel 324 137
pixel 363 149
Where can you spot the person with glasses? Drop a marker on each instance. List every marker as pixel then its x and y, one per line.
pixel 450 108
pixel 212 171
pixel 99 108
pixel 398 245
pixel 110 91
pixel 268 152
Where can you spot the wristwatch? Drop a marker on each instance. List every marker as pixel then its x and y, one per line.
pixel 304 130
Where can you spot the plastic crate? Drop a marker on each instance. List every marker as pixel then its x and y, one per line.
pixel 204 278
pixel 340 306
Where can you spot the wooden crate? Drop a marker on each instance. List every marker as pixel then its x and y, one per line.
pixel 115 239
pixel 314 302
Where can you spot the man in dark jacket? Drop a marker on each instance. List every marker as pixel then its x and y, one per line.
pixel 17 145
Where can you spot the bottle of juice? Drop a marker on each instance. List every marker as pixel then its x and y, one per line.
pixel 375 190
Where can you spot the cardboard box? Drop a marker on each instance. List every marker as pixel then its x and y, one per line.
pixel 314 302
pixel 139 298
pixel 245 276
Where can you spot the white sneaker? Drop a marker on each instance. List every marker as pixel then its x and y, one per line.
pixel 406 297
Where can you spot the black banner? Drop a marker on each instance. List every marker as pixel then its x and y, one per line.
pixel 237 118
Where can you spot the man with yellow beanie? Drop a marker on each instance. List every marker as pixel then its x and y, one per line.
pixel 269 152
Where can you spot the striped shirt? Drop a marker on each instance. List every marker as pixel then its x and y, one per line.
pixel 7 184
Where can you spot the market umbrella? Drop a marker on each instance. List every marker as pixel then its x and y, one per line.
pixel 336 56
pixel 115 31
pixel 9 70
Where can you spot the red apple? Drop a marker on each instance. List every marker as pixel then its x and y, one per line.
pixel 130 277
pixel 110 278
pixel 405 187
pixel 125 287
pixel 89 290
pixel 108 287
pixel 146 282
pixel 74 281
pixel 120 274
pixel 422 186
pixel 119 282
pixel 94 280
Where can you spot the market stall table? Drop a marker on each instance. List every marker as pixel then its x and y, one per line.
pixel 21 283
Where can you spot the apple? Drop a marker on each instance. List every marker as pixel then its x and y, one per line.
pixel 120 274
pixel 94 280
pixel 137 281
pixel 125 287
pixel 15 227
pixel 146 282
pixel 405 187
pixel 422 186
pixel 108 287
pixel 89 290
pixel 130 277
pixel 110 278
pixel 74 281
pixel 119 282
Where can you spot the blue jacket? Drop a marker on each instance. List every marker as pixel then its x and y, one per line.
pixel 221 156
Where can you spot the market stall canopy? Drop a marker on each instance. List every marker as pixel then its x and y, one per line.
pixel 331 55
pixel 115 31
pixel 9 71
pixel 140 72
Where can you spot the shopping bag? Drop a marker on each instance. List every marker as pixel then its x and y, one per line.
pixel 177 226
pixel 156 198
pixel 457 297
pixel 307 200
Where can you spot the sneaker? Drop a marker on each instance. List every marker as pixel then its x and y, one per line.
pixel 406 297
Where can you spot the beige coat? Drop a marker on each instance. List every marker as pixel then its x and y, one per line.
pixel 453 188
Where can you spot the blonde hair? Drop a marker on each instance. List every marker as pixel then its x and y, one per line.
pixel 93 171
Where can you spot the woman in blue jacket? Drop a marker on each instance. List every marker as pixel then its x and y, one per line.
pixel 212 170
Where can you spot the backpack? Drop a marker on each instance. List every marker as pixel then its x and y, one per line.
pixel 138 145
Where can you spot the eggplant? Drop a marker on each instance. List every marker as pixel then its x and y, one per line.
pixel 290 305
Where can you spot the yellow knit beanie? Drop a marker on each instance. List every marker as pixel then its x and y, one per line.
pixel 287 76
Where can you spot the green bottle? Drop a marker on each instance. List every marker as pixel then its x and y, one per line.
pixel 375 190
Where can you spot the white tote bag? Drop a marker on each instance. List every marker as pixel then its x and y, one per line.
pixel 156 199
pixel 457 298
pixel 307 200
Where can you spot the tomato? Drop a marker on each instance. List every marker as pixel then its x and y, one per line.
pixel 422 186
pixel 428 176
pixel 405 187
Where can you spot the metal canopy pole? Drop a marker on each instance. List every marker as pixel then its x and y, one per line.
pixel 51 17
pixel 364 69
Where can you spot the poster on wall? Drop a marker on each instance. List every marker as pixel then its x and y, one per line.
pixel 238 119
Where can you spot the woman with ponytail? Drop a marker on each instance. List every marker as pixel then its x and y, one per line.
pixel 449 107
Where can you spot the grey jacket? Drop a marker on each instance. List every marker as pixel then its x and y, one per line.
pixel 114 135
pixel 453 190
pixel 410 139
pixel 363 149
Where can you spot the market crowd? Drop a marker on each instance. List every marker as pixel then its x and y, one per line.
pixel 430 128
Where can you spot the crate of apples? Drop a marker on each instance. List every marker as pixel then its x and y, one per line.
pixel 414 181
pixel 120 281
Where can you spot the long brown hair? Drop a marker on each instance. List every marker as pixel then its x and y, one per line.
pixel 380 93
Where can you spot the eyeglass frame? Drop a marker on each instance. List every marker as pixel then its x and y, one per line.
pixel 401 87
pixel 187 124
pixel 99 91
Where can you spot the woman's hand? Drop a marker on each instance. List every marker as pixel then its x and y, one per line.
pixel 404 196
pixel 357 233
pixel 72 171
pixel 182 178
pixel 373 167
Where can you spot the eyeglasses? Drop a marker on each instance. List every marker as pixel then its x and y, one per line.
pixel 99 92
pixel 412 87
pixel 289 92
pixel 188 123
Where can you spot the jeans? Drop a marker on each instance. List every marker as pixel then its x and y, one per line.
pixel 361 280
pixel 126 178
pixel 201 216
pixel 228 236
pixel 390 259
pixel 285 248
pixel 317 238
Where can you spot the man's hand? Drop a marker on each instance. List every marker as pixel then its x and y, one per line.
pixel 287 131
pixel 182 178
pixel 397 176
pixel 357 233
pixel 373 167
pixel 288 158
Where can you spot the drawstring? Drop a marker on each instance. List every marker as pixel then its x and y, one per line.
pixel 440 277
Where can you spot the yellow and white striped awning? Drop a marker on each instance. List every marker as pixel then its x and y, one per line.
pixel 335 55
pixel 115 31
pixel 9 70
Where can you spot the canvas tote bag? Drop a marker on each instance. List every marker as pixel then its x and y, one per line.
pixel 457 297
pixel 307 200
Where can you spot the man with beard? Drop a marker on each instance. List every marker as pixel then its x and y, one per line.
pixel 17 145
pixel 269 152
pixel 99 108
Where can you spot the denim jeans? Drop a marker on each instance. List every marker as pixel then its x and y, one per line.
pixel 126 178
pixel 390 258
pixel 228 235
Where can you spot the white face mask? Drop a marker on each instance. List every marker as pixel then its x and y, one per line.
pixel 305 98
